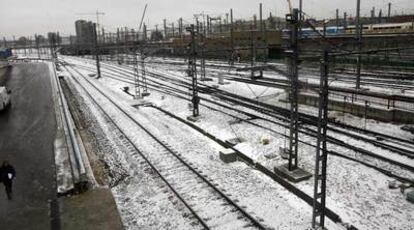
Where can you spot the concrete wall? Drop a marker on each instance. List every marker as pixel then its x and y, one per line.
pixel 387 115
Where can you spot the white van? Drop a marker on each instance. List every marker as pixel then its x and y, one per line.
pixel 5 100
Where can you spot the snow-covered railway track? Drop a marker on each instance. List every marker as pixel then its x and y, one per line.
pixel 209 205
pixel 185 84
pixel 271 111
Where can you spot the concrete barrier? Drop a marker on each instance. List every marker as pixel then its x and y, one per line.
pixel 372 112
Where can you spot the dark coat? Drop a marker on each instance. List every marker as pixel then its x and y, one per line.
pixel 4 171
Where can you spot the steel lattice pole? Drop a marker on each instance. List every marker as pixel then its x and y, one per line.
pixel 293 74
pixel 319 196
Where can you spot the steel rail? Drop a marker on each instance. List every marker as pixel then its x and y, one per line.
pixel 270 110
pixel 255 222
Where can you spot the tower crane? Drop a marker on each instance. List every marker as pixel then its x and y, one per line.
pixel 290 6
pixel 142 18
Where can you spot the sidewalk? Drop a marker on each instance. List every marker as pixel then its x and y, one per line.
pixel 92 210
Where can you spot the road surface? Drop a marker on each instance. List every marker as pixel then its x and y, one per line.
pixel 27 133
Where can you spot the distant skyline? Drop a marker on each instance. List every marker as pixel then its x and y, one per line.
pixel 27 17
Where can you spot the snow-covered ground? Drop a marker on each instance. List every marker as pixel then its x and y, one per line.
pixel 359 194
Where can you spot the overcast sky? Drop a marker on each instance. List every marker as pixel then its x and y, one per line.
pixel 27 17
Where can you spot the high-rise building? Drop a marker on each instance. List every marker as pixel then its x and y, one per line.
pixel 84 32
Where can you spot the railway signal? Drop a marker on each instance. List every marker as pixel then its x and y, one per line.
pixel 291 171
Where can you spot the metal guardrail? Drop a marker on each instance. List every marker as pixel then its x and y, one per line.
pixel 71 167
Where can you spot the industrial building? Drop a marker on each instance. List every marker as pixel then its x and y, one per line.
pixel 84 33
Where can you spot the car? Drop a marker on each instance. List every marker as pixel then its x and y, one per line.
pixel 5 99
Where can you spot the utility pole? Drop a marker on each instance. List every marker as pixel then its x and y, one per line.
pixel 137 88
pixel 252 51
pixel 203 62
pixel 144 86
pixel 204 24
pixel 165 29
pixel 192 70
pixel 145 92
pixel 208 24
pixel 145 32
pixel 255 21
pixel 345 20
pixel 389 10
pixel 319 194
pixel 263 32
pixel 220 25
pixel 197 25
pixel 358 31
pixel 126 40
pixel 58 39
pixel 52 42
pixel 300 10
pixel 337 17
pixel 37 45
pixel 98 65
pixel 173 29
pixel 294 85
pixel 71 41
pixel 291 171
pixel 103 36
pixel 412 23
pixel 271 21
pixel 25 46
pixel 143 75
pixel 180 27
pixel 203 59
pixel 227 20
pixel 231 36
pixel 373 13
pixel 30 45
pixel 118 40
pixel 380 16
pixel 126 35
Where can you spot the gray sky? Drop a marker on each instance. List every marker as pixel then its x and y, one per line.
pixel 26 17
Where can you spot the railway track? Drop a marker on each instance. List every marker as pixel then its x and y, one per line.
pixel 369 79
pixel 210 90
pixel 379 99
pixel 209 205
pixel 310 120
pixel 339 77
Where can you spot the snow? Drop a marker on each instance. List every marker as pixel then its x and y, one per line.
pixel 359 194
pixel 141 198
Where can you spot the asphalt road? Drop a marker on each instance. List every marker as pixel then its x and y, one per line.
pixel 27 132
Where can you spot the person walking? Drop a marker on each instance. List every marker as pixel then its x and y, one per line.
pixel 7 174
